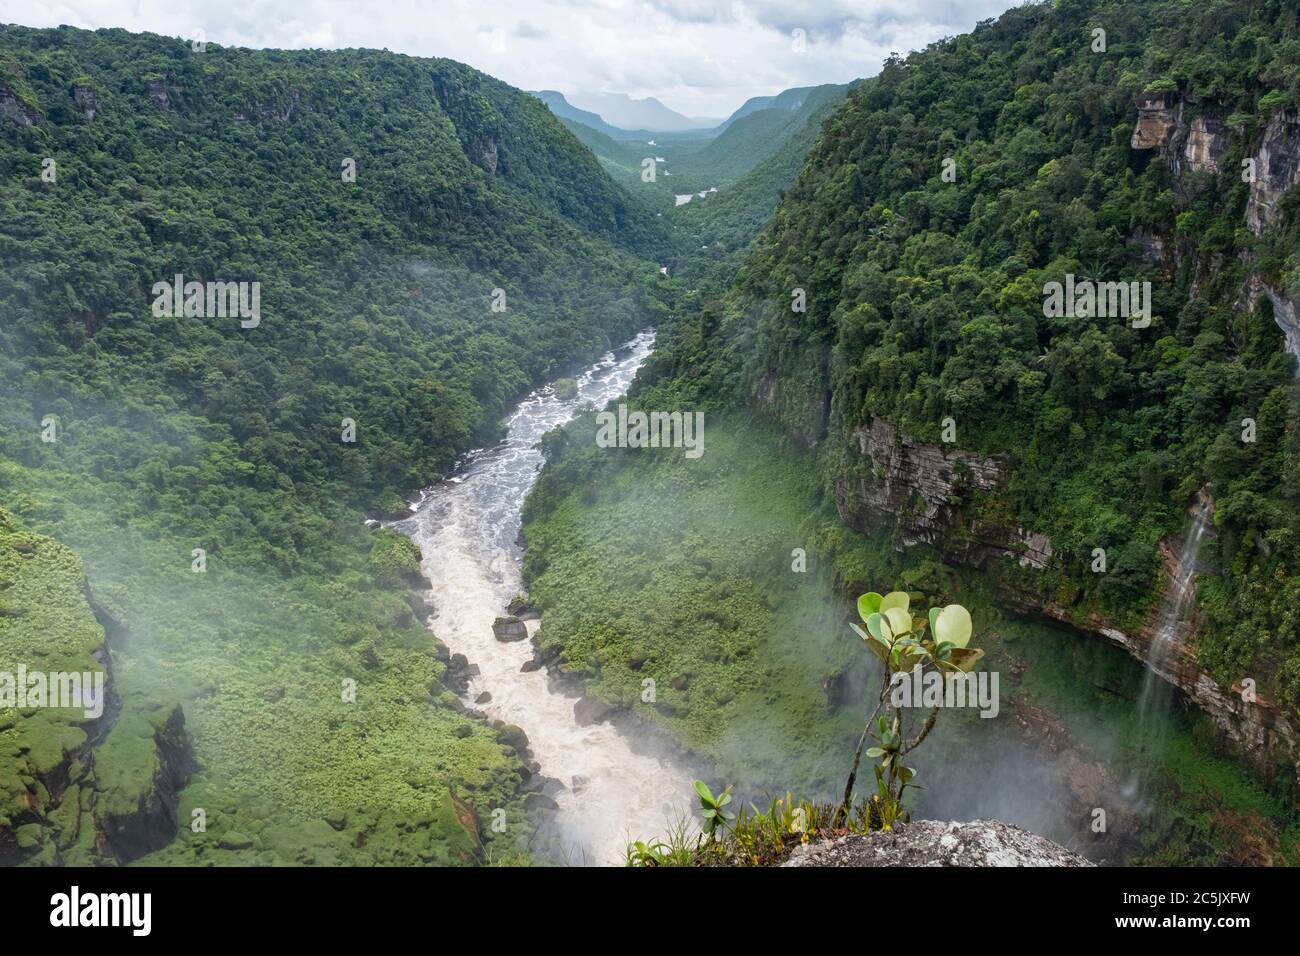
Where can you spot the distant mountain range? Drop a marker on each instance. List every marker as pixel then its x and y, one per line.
pixel 626 112
pixel 791 99
pixel 748 159
pixel 565 110
pixel 622 116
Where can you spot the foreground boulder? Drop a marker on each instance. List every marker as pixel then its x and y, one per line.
pixel 934 843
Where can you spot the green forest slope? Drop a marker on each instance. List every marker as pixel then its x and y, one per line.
pixel 925 300
pixel 139 439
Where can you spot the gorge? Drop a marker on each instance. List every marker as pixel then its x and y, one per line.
pixel 534 659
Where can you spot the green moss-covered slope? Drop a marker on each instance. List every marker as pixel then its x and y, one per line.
pixel 46 626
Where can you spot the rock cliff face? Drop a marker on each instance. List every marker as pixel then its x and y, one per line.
pixel 1286 308
pixel 1156 120
pixel 1206 143
pixel 933 843
pixel 1277 169
pixel 87 101
pixel 799 396
pixel 157 92
pixel 933 495
pixel 1192 139
pixel 46 752
pixel 15 110
pixel 489 155
pixel 1261 728
pixel 1151 246
pixel 142 766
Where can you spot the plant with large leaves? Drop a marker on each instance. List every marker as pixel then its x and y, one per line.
pixel 711 808
pixel 941 641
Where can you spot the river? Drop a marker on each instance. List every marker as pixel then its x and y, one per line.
pixel 468 528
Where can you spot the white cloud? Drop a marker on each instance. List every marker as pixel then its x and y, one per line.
pixel 701 57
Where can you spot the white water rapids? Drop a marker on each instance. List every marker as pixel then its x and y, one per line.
pixel 467 528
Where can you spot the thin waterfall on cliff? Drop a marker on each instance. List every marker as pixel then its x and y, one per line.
pixel 1157 688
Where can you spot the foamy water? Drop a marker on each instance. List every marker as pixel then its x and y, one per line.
pixel 467 529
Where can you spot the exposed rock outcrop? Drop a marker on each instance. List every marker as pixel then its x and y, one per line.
pixel 1262 729
pixel 1157 118
pixel 1087 782
pixel 590 710
pixel 1192 138
pixel 1286 309
pixel 800 399
pixel 76 788
pixel 157 92
pixel 87 101
pixel 930 494
pixel 1151 245
pixel 934 496
pixel 979 843
pixel 1206 143
pixel 488 155
pixel 509 628
pixel 47 753
pixel 142 767
pixel 280 110
pixel 1277 169
pixel 459 673
pixel 15 110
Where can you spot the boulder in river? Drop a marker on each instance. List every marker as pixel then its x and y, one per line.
pixel 536 662
pixel 589 710
pixel 509 628
pixel 521 608
pixel 459 672
pixel 540 801
pixel 540 783
pixel 511 735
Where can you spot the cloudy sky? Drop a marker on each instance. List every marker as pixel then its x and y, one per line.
pixel 700 57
